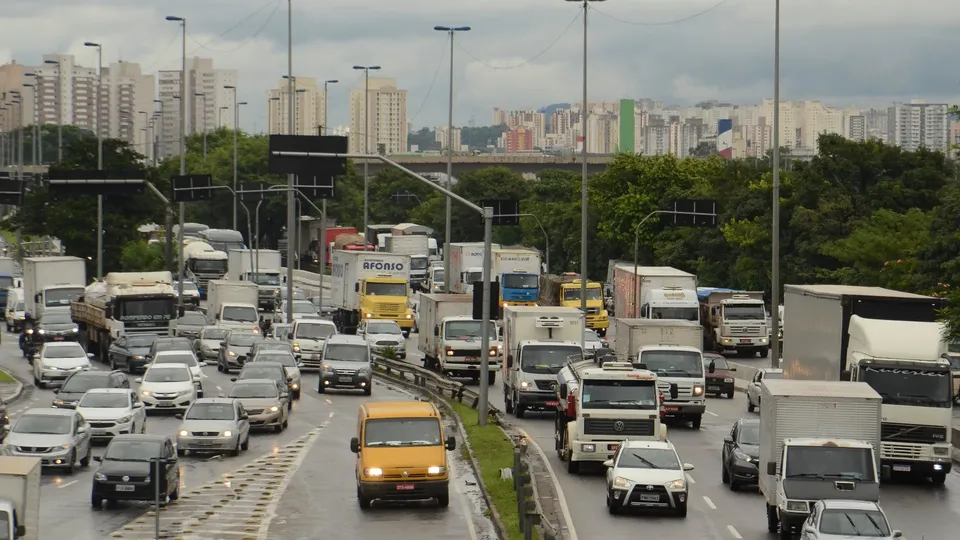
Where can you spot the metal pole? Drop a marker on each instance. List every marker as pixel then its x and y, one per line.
pixel 775 286
pixel 183 155
pixel 20 174
pixel 236 142
pixel 59 111
pixel 290 178
pixel 366 168
pixel 449 203
pixel 37 148
pixel 255 243
pixel 323 245
pixel 583 189
pixel 156 498
pixel 636 259
pixel 483 405
pixel 99 164
pixel 203 103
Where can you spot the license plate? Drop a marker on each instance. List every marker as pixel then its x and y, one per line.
pixel 649 498
pixel 165 404
pixel 205 443
pixel 613 447
pixel 346 379
pixel 744 341
pixel 671 409
pixel 901 468
pixel 404 487
pixel 125 487
pixel 552 403
pixel 315 357
pixel 58 338
pixel 713 388
pixel 471 359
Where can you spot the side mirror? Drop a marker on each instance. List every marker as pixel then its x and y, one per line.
pixel 563 391
pixel 223 343
pixel 772 468
pixel 608 463
pixel 509 360
pixel 244 416
pixel 138 380
pixel 21 531
pixel 731 369
pixel 687 467
pixel 712 368
pixel 178 416
pixel 82 429
pixel 674 391
pixel 290 335
pixel 355 445
pixel 898 534
pixel 356 287
pixel 436 330
pixel 728 440
pixel 56 390
pixel 451 443
pixel 36 297
pixel 233 379
pixel 289 379
pixel 89 355
pixel 98 458
pixel 138 405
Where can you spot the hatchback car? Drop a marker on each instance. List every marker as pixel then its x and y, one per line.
pixel 190 325
pixel 289 363
pixel 346 364
pixel 77 384
pixel 647 474
pixel 60 438
pixel 720 380
pixel 58 361
pixel 112 411
pixel 186 358
pixel 753 389
pixel 592 343
pixel 262 401
pixel 269 370
pixel 741 454
pixel 383 335
pixel 126 470
pixel 207 345
pixel 834 519
pixel 235 349
pixel 167 387
pixel 169 344
pixel 130 352
pixel 214 425
pixel 57 326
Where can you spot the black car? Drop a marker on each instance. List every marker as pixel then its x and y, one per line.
pixel 77 385
pixel 126 471
pixel 273 371
pixel 130 352
pixel 169 344
pixel 56 326
pixel 741 454
pixel 4 420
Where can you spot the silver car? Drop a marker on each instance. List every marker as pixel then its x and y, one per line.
pixel 346 364
pixel 190 325
pixel 261 400
pixel 59 437
pixel 207 345
pixel 845 519
pixel 214 425
pixel 290 365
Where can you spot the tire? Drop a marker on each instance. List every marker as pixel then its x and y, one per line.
pixel 95 502
pixel 278 428
pixel 236 450
pixel 321 389
pixel 734 485
pixel 724 475
pixel 612 506
pixel 519 410
pixel 730 394
pixel 750 406
pixel 245 445
pixel 507 404
pixel 72 463
pixel 443 501
pixel 364 502
pixel 573 467
pixel 85 462
pixel 785 533
pixel 938 479
pixel 176 492
pixel 368 390
pixel 219 367
pixel 682 509
pixel 492 378
pixel 773 522
pixel 296 395
pixel 697 420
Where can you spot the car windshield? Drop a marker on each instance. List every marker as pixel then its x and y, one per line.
pixel 402 432
pixel 466 330
pixel 546 359
pixel 56 318
pixel 719 362
pixel 304 307
pixel 346 353
pixel 866 523
pixel 315 331
pixel 45 424
pixel 132 451
pixel 591 336
pixel 438 276
pixel 279 357
pixel 649 458
pixel 105 400
pixel 242 339
pixel 188 286
pixel 240 314
pixel 18 307
pixel 273 346
pixel 386 289
pixel 280 331
pixel 187 359
pixel 141 341
pixel 81 382
pixel 673 363
pixel 750 434
pixel 829 462
pixel 252 371
pixel 383 328
pixel 211 411
pixel 192 319
pixel 773 375
pixel 216 334
pixel 254 390
pixel 182 344
pixel 573 293
pixel 619 394
pixel 74 350
pixel 167 375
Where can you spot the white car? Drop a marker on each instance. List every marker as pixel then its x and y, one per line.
pixel 383 335
pixel 167 387
pixel 753 389
pixel 112 411
pixel 593 342
pixel 188 359
pixel 844 519
pixel 647 474
pixel 302 309
pixel 308 339
pixel 57 361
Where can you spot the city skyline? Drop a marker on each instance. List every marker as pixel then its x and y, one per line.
pixel 627 60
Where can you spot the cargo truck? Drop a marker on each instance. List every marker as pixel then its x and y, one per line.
pixel 451 339
pixel 203 264
pixel 8 274
pixel 417 247
pixel 600 406
pixel 124 303
pixel 671 349
pixel 466 265
pixel 52 283
pixel 373 231
pixel 331 236
pixel 891 341
pixel 654 292
pixel 518 271
pixel 564 290
pixel 817 441
pixel 370 285
pixel 538 342
pixel 261 267
pixel 20 497
pixel 233 305
pixel 734 320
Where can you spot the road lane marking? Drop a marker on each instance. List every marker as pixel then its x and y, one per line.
pixel 467 512
pixel 733 532
pixel 711 413
pixel 571 531
pixel 330 415
pixel 61 486
pixel 709 502
pixel 690 479
pixel 329 401
pixel 271 510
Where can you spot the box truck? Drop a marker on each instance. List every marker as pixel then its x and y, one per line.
pixel 654 292
pixel 262 267
pixel 233 305
pixel 20 497
pixel 565 290
pixel 52 283
pixel 518 271
pixel 466 265
pixel 734 320
pixel 451 339
pixel 417 247
pixel 370 285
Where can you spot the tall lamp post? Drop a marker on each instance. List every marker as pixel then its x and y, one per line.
pixel 451 31
pixel 323 202
pixel 220 116
pixel 59 107
pixel 203 128
pixel 146 124
pixel 37 147
pixel 99 155
pixel 236 142
pixel 775 285
pixel 291 200
pixel 270 114
pixel 326 118
pixel 183 149
pixel 366 139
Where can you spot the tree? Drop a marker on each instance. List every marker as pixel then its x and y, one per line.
pixel 140 256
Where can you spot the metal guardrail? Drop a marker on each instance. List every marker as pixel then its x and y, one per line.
pixel 310 279
pixel 530 510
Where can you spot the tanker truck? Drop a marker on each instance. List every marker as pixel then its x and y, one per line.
pixel 203 264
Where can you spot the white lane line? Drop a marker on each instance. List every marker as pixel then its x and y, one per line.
pixel 329 401
pixel 733 532
pixel 711 413
pixel 219 389
pixel 467 512
pixel 690 479
pixel 61 486
pixel 331 415
pixel 571 531
pixel 709 502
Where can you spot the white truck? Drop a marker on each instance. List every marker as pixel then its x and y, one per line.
pixel 19 498
pixel 538 341
pixel 52 283
pixel 450 338
pixel 734 320
pixel 654 292
pixel 671 349
pixel 202 263
pixel 261 267
pixel 233 305
pixel 417 247
pixel 891 341
pixel 518 272
pixel 466 265
pixel 370 285
pixel 598 407
pixel 817 441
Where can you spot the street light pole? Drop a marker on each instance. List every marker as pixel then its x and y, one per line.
pixel 99 156
pixel 326 102
pixel 451 31
pixel 183 148
pixel 323 202
pixel 35 148
pixel 59 107
pixel 203 106
pixel 291 203
pixel 775 286
pixel 236 142
pixel 366 140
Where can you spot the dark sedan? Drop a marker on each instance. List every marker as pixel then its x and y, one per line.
pixel 57 326
pixel 130 352
pixel 125 472
pixel 169 344
pixel 741 454
pixel 77 384
pixel 190 325
pixel 720 380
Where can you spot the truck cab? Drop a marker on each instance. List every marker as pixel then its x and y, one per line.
pixel 458 343
pixel 564 290
pixel 419 266
pixel 670 303
pixel 519 288
pixel 268 287
pixel 385 297
pixel 734 320
pixel 599 407
pixel 435 282
pixel 533 373
pixel 202 264
pixel 238 317
pixel 681 368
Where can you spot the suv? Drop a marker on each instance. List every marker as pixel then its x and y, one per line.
pixel 308 337
pixel 346 364
pixel 77 385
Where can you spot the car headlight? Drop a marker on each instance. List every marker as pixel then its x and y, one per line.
pixel 742 456
pixel 231 353
pixel 524 384
pixel 294 386
pixel 449 352
pixel 436 470
pixel 41 331
pixel 274 408
pixel 677 484
pixel 136 358
pixel 125 419
pixel 59 402
pixel 588 448
pixel 75 330
pixel 66 446
pixel 697 390
pixel 187 392
pixel 228 433
pixel 29 331
pixel 326 367
pixel 797 506
pixel 621 482
pixel 184 433
pixel 493 351
pixel 145 393
pixel 373 471
pixel 296 347
pixel 99 477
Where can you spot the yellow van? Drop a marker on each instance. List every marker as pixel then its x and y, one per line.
pixel 401 453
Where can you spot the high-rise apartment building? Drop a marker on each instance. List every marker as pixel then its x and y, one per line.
pixel 518 140
pixel 441 137
pixel 308 107
pixel 499 116
pixel 202 111
pixel 917 124
pixel 386 129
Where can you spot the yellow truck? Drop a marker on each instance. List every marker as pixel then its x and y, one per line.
pixel 370 285
pixel 564 290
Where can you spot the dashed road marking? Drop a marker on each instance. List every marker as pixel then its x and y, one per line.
pixel 711 413
pixel 330 415
pixel 709 502
pixel 690 479
pixel 733 532
pixel 61 486
pixel 329 401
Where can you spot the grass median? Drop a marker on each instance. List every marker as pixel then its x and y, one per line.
pixel 492 450
pixel 7 378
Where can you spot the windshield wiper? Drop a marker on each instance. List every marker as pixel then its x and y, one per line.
pixel 384 443
pixel 845 475
pixel 874 523
pixel 806 475
pixel 645 461
pixel 853 525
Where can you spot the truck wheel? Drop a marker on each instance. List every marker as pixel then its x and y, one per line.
pixel 785 532
pixel 773 522
pixel 696 421
pixel 518 409
pixel 573 467
pixel 507 404
pixel 492 378
pixel 938 478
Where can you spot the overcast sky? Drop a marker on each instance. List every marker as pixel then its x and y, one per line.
pixel 865 52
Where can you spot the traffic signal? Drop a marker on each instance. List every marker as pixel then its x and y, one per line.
pixel 494 300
